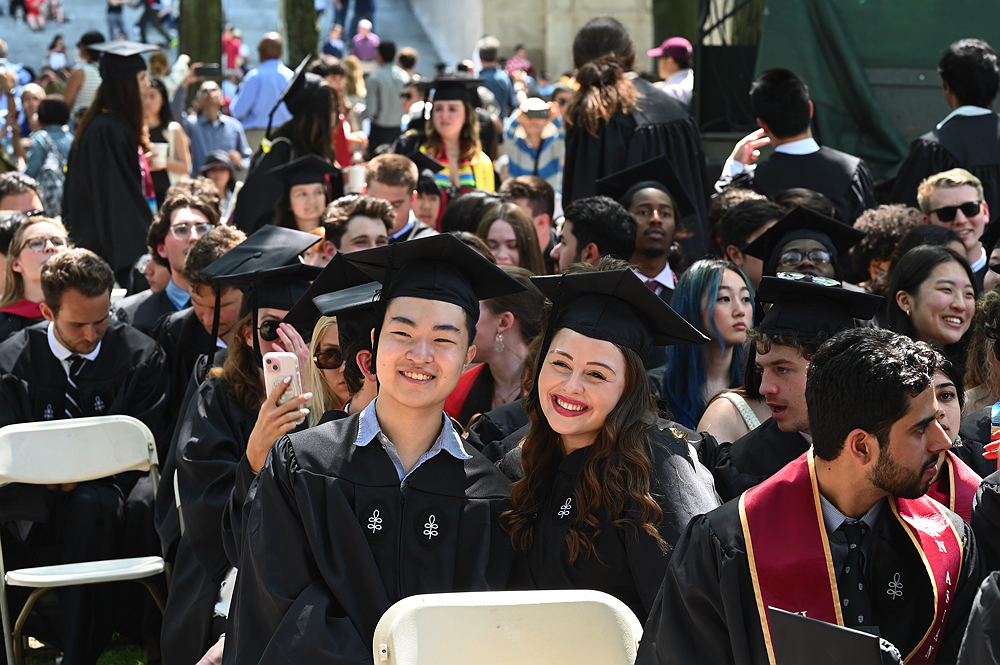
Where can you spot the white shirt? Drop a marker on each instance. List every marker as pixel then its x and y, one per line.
pixel 805 146
pixel 966 111
pixel 680 85
pixel 62 354
pixel 664 280
pixel 979 263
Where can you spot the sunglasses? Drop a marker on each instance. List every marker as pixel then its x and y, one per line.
pixel 948 213
pixel 269 330
pixel 331 359
pixel 182 231
pixel 794 257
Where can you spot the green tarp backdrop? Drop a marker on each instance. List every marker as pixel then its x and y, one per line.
pixel 830 44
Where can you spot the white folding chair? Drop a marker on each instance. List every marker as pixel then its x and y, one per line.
pixel 73 451
pixel 575 627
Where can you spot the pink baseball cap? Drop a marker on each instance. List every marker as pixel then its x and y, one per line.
pixel 676 47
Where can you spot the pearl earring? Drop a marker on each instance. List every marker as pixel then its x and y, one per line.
pixel 499 344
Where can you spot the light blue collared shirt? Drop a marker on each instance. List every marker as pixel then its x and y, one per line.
pixel 448 440
pixel 833 518
pixel 260 90
pixel 178 296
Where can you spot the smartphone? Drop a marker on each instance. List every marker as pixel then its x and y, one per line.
pixel 539 114
pixel 210 70
pixel 278 367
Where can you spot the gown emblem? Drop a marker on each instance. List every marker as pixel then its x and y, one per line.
pixel 375 522
pixel 431 527
pixel 565 508
pixel 98 404
pixel 895 589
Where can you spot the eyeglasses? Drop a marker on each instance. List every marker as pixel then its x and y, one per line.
pixel 269 330
pixel 331 359
pixel 182 231
pixel 948 213
pixel 35 213
pixel 799 277
pixel 39 244
pixel 795 257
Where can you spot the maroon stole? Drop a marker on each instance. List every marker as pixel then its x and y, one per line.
pixel 960 491
pixel 789 553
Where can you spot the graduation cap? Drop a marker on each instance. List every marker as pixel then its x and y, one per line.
pixel 811 305
pixel 294 101
pixel 121 56
pixel 267 268
pixel 804 223
pixel 336 276
pixel 657 173
pixel 425 162
pixel 614 306
pixel 356 311
pixel 305 170
pixel 454 88
pixel 439 267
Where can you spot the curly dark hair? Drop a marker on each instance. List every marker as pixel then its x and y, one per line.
pixel 343 210
pixel 884 228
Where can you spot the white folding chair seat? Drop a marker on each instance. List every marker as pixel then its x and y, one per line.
pixel 571 627
pixel 74 451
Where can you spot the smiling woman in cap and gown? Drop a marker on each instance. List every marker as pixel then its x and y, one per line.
pixel 410 508
pixel 306 192
pixel 314 105
pixel 108 198
pixel 607 487
pixel 224 414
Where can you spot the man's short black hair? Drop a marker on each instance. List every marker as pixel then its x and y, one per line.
pixel 781 99
pixel 743 219
pixel 969 68
pixel 387 51
pixel 53 110
pixel 10 222
pixel 540 194
pixel 864 378
pixel 407 57
pixel 604 222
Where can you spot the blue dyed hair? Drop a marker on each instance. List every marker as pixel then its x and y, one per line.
pixel 685 377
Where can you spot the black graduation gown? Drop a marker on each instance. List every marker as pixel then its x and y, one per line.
pixel 626 563
pixel 975 434
pixel 659 125
pixel 211 441
pixel 981 644
pixel 12 323
pixel 261 192
pixel 103 203
pixel 755 457
pixel 968 142
pixel 488 430
pixel 184 339
pixel 842 178
pixel 320 566
pixel 145 309
pixel 986 519
pixel 706 611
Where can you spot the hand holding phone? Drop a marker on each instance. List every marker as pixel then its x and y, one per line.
pixel 277 367
pixel 210 70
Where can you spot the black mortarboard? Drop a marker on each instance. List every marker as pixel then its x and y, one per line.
pixel 439 267
pixel 121 56
pixel 658 173
pixel 291 94
pixel 355 309
pixel 305 170
pixel 810 306
pixel 425 162
pixel 614 306
pixel 336 276
pixel 464 89
pixel 267 268
pixel 991 237
pixel 804 223
pixel 800 639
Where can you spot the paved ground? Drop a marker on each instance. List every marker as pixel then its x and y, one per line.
pixel 393 20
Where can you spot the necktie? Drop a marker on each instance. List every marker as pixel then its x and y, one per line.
pixel 854 598
pixel 72 392
pixel 652 284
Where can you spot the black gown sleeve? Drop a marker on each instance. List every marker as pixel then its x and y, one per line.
pixel 926 158
pixel 260 192
pixel 862 195
pixel 986 519
pixel 298 587
pixel 981 643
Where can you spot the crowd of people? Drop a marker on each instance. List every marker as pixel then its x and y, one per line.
pixel 534 347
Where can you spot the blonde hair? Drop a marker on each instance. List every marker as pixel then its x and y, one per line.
pixel 13 288
pixel 323 399
pixel 946 180
pixel 158 63
pixel 354 80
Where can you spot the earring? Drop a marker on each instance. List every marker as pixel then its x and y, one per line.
pixel 499 344
pixel 907 312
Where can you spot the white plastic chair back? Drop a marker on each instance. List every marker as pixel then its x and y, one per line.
pixel 75 450
pixel 574 627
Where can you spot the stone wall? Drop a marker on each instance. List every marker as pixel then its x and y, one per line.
pixel 546 27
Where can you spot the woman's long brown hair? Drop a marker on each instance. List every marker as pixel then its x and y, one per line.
pixel 121 98
pixel 602 53
pixel 616 475
pixel 241 371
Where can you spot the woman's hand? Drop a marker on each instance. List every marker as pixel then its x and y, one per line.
pixel 273 422
pixel 290 341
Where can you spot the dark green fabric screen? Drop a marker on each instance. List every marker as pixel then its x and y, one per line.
pixel 830 43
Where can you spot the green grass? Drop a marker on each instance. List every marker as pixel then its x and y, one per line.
pixel 126 655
